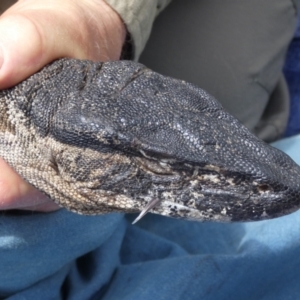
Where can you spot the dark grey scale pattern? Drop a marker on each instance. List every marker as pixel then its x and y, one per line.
pixel 103 137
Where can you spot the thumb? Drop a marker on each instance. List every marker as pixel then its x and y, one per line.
pixel 33 35
pixel 21 50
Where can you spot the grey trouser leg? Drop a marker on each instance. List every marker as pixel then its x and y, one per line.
pixel 235 50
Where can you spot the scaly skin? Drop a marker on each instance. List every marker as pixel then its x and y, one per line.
pixel 115 136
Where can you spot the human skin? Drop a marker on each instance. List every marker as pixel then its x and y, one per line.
pixel 34 33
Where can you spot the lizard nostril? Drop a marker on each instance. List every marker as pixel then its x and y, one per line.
pixel 263 188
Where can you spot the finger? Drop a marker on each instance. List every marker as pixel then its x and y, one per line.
pixel 18 194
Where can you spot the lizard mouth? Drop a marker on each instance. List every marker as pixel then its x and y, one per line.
pixel 210 193
pixel 217 205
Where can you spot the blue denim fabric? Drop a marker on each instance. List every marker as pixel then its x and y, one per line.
pixel 62 255
pixel 292 75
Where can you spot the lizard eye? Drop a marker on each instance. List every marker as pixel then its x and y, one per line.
pixel 159 156
pixel 154 166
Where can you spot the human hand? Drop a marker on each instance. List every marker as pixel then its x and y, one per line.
pixel 34 33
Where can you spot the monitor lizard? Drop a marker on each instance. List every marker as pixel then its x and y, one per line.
pixel 118 137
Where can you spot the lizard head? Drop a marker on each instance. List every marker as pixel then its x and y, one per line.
pixel 122 136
